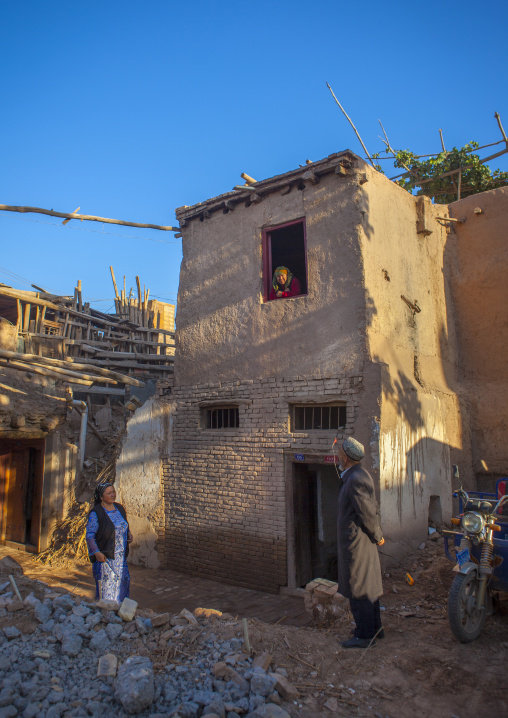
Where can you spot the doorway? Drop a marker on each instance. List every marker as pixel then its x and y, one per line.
pixel 21 475
pixel 315 491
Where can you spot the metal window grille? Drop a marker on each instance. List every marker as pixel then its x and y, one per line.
pixel 306 418
pixel 223 418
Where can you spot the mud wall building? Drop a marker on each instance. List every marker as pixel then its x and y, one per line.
pixel 262 388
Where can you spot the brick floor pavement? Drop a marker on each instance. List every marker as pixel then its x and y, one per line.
pixel 164 590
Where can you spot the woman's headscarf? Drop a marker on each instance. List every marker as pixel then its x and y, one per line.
pixel 281 270
pixel 101 488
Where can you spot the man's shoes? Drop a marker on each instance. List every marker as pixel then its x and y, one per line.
pixel 381 633
pixel 356 642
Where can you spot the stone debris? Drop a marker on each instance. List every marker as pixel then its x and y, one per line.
pixel 127 610
pixel 107 665
pixel 262 660
pixel 284 687
pixel 134 687
pixel 64 657
pixel 108 605
pixel 322 600
pixel 160 620
pixel 184 613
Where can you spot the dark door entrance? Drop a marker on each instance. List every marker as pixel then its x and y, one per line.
pixel 315 490
pixel 21 473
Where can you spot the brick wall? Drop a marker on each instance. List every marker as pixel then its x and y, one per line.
pixel 224 489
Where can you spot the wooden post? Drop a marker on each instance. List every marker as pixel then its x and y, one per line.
pixel 117 297
pixel 80 298
pixel 138 284
pixel 26 320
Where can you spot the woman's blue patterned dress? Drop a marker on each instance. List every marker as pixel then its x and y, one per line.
pixel 113 574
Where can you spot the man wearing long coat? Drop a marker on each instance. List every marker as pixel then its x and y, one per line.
pixel 358 535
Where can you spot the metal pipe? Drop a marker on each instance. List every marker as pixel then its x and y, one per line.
pixel 82 409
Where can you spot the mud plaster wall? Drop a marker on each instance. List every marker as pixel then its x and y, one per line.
pixel 138 476
pixel 226 332
pixel 419 419
pixel 478 254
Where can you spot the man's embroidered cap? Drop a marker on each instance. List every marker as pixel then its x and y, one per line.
pixel 353 449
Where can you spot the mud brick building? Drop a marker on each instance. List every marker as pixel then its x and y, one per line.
pixel 371 348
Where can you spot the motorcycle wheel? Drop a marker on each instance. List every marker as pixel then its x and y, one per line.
pixel 466 619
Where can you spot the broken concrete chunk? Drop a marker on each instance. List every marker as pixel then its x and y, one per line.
pixel 11 632
pixel 159 620
pixel 127 610
pixel 15 606
pixel 184 613
pixel 108 605
pixel 134 687
pixel 284 687
pixel 107 665
pixel 176 621
pixel 262 660
pixel 234 676
pixel 220 669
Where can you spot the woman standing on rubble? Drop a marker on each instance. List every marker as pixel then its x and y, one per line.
pixel 108 538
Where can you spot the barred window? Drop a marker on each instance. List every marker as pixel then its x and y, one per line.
pixel 308 417
pixel 223 417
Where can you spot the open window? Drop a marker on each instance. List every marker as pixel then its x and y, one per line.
pixel 285 246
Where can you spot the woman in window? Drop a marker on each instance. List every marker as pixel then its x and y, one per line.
pixel 284 284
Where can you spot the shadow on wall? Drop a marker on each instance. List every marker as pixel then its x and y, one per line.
pixel 420 494
pixel 402 394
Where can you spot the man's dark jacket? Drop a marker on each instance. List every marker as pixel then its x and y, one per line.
pixel 105 536
pixel 358 531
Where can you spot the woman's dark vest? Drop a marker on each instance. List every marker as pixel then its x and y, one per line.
pixel 105 536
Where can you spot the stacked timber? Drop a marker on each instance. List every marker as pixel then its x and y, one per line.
pixel 137 339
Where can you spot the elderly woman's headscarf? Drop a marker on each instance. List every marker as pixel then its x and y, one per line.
pixel 281 270
pixel 101 488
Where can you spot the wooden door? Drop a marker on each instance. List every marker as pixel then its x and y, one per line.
pixel 21 473
pixel 304 507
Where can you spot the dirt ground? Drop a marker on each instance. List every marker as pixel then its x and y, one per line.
pixel 418 669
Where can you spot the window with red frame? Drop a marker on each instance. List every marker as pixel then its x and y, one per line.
pixel 285 246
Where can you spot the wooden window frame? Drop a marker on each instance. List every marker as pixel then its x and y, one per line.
pixel 267 254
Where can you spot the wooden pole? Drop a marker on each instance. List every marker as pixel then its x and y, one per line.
pixel 350 122
pixel 46 372
pixel 117 298
pixel 138 284
pixel 88 217
pixel 442 141
pixel 113 376
pixel 498 118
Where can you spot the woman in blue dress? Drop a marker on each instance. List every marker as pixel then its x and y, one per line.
pixel 108 538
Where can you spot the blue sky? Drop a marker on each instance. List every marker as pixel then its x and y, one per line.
pixel 131 109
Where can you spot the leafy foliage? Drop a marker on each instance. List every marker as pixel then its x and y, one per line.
pixel 475 177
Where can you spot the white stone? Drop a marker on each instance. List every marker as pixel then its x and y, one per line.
pixel 127 610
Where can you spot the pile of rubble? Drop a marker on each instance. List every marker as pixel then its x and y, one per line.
pixel 63 656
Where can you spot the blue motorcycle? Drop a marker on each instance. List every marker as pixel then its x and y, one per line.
pixel 481 558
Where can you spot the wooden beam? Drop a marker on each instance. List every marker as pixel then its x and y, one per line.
pixel 41 370
pixel 112 375
pixel 109 390
pixel 27 297
pixel 88 217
